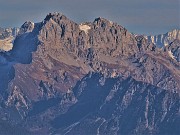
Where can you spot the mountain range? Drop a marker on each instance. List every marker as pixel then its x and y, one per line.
pixel 60 77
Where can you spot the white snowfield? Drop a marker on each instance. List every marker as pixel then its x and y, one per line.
pixel 84 28
pixel 7 44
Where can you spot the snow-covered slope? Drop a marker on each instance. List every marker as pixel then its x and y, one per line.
pixel 84 28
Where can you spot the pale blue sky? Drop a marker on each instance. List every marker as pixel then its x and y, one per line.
pixel 138 16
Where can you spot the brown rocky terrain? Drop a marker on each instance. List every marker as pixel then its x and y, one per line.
pixel 91 78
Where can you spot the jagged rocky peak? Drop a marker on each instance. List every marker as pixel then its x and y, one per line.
pixel 162 40
pixel 54 15
pixel 99 23
pixel 59 18
pixel 101 20
pixel 105 23
pixel 28 26
pixel 59 23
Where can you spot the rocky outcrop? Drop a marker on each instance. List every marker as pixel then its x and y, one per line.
pixel 28 26
pixel 7 37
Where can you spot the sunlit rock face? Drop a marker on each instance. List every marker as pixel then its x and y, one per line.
pixel 7 37
pixel 90 78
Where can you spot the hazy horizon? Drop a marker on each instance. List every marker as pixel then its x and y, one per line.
pixel 141 17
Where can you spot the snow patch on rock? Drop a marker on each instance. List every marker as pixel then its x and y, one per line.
pixel 84 28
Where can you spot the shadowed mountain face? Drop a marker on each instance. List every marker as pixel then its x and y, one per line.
pixel 118 106
pixel 93 78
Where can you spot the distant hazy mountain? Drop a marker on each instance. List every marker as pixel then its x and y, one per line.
pixel 164 39
pixel 169 42
pixel 90 78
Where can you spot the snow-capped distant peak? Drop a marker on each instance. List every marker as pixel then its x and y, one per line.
pixel 164 39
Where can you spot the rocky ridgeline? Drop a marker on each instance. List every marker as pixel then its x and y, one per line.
pixel 60 67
